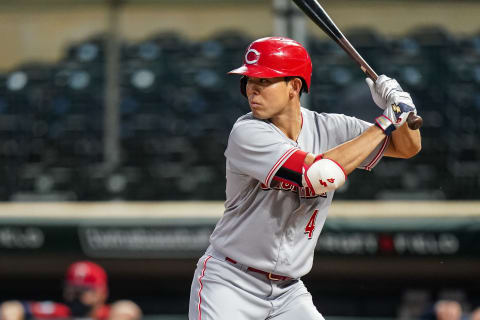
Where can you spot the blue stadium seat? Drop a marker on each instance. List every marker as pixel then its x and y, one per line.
pixel 178 105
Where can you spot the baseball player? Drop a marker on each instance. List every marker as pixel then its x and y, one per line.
pixel 85 294
pixel 283 165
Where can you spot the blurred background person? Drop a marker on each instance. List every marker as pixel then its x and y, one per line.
pixel 85 295
pixel 444 309
pixel 475 314
pixel 448 310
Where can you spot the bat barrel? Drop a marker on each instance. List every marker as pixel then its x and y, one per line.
pixel 321 18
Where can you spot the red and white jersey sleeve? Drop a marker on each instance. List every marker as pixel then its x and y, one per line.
pixel 257 150
pixel 338 128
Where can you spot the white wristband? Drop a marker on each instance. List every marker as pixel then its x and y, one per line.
pixel 385 124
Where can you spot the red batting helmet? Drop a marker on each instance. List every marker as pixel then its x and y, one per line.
pixel 86 274
pixel 273 57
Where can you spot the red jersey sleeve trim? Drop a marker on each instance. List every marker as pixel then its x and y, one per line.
pixel 295 161
pixel 278 164
pixel 378 155
pixel 291 170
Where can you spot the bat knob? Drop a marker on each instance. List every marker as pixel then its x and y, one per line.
pixel 414 122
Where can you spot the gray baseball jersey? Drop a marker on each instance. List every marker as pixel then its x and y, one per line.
pixel 271 224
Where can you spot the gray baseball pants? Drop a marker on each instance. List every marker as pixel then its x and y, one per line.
pixel 221 290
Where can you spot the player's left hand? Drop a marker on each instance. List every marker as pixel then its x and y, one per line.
pixel 399 107
pixel 390 97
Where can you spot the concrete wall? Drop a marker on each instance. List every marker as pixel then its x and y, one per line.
pixel 32 31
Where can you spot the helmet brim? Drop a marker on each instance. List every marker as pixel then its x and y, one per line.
pixel 257 71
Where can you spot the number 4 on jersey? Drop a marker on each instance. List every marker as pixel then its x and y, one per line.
pixel 311 224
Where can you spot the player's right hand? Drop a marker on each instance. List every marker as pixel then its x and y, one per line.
pixel 382 89
pixel 390 97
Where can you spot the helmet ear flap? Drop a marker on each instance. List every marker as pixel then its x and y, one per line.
pixel 243 85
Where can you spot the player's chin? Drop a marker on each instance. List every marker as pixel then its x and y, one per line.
pixel 258 114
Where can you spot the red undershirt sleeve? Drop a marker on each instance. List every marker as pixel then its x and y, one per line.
pixel 291 170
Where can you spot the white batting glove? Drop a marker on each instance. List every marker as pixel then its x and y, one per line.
pixel 381 89
pixel 400 105
pixel 389 96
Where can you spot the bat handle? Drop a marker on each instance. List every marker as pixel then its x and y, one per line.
pixel 369 71
pixel 414 122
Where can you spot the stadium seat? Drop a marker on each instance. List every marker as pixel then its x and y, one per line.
pixel 178 105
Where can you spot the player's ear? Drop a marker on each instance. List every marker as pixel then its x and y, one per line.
pixel 295 85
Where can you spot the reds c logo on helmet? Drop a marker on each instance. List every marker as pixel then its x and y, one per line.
pixel 273 57
pixel 252 56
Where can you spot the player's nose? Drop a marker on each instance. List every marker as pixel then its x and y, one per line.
pixel 253 88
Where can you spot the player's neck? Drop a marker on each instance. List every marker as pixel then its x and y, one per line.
pixel 290 122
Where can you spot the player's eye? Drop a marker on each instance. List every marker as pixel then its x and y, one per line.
pixel 259 81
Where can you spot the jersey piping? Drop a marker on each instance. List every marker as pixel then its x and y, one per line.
pixel 201 287
pixel 279 162
pixel 379 155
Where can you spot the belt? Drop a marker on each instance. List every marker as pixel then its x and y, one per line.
pixel 269 275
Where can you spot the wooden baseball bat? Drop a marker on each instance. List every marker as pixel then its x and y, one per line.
pixel 320 17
